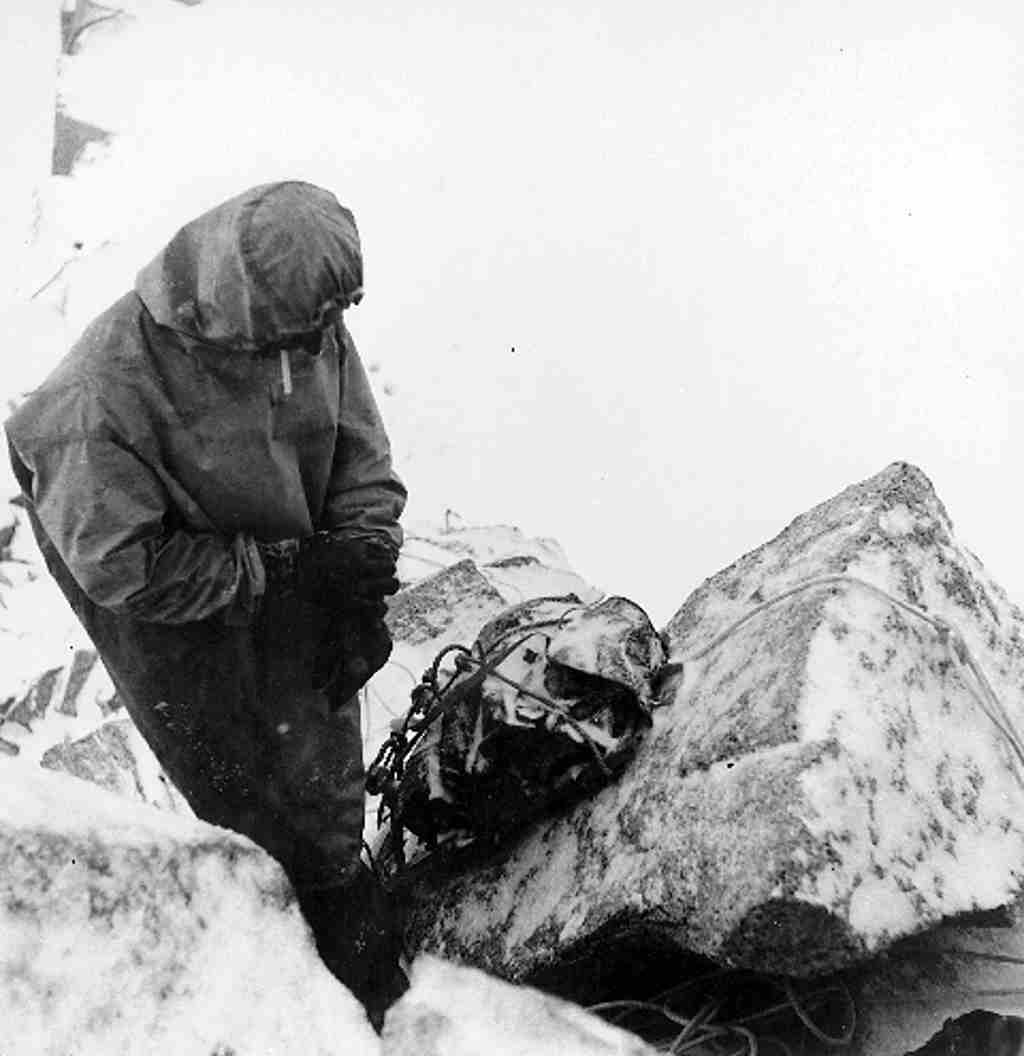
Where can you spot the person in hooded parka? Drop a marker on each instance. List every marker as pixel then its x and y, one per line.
pixel 210 483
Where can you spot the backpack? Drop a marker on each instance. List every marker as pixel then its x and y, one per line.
pixel 547 706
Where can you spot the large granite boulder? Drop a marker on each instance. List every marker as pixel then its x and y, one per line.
pixel 834 766
pixel 126 930
pixel 450 1010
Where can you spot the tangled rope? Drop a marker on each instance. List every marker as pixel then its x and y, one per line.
pixel 709 1028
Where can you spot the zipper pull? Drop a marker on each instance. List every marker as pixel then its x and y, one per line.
pixel 286 372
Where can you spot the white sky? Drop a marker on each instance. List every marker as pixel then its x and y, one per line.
pixel 745 254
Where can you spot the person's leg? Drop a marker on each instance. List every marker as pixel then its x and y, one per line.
pixel 359 937
pixel 231 716
pixel 320 787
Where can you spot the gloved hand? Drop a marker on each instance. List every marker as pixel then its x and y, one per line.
pixel 341 572
pixel 355 645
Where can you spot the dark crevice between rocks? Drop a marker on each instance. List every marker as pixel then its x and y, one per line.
pixel 791 938
pixel 637 962
pixel 978 1033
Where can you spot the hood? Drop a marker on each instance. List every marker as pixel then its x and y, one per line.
pixel 258 269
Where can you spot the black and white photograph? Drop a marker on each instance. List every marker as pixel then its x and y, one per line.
pixel 510 528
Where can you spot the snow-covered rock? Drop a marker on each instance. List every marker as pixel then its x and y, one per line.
pixel 451 1010
pixel 826 773
pixel 517 566
pixel 125 929
pixel 116 757
pixel 38 630
pixel 60 704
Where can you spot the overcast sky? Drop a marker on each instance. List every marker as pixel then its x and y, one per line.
pixel 651 278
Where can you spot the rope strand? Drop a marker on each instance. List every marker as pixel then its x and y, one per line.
pixel 948 633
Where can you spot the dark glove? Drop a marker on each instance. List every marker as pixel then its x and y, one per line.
pixel 354 647
pixel 333 569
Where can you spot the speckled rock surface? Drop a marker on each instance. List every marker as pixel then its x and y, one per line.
pixel 126 930
pixel 59 700
pixel 116 757
pixel 819 783
pixel 456 1011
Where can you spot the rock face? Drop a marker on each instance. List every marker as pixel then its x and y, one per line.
pixel 456 1011
pixel 68 690
pixel 69 718
pixel 116 758
pixel 826 774
pixel 128 930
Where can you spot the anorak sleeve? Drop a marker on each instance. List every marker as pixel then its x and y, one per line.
pixel 108 515
pixel 365 494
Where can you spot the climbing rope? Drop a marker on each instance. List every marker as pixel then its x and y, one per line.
pixel 709 1026
pixel 948 634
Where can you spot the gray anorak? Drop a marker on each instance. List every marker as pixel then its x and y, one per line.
pixel 196 416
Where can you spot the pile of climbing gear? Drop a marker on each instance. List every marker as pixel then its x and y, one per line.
pixel 548 705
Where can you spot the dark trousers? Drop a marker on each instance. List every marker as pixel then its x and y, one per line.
pixel 231 715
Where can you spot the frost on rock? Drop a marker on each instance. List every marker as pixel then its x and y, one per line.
pixel 126 930
pixel 456 1011
pixel 825 774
